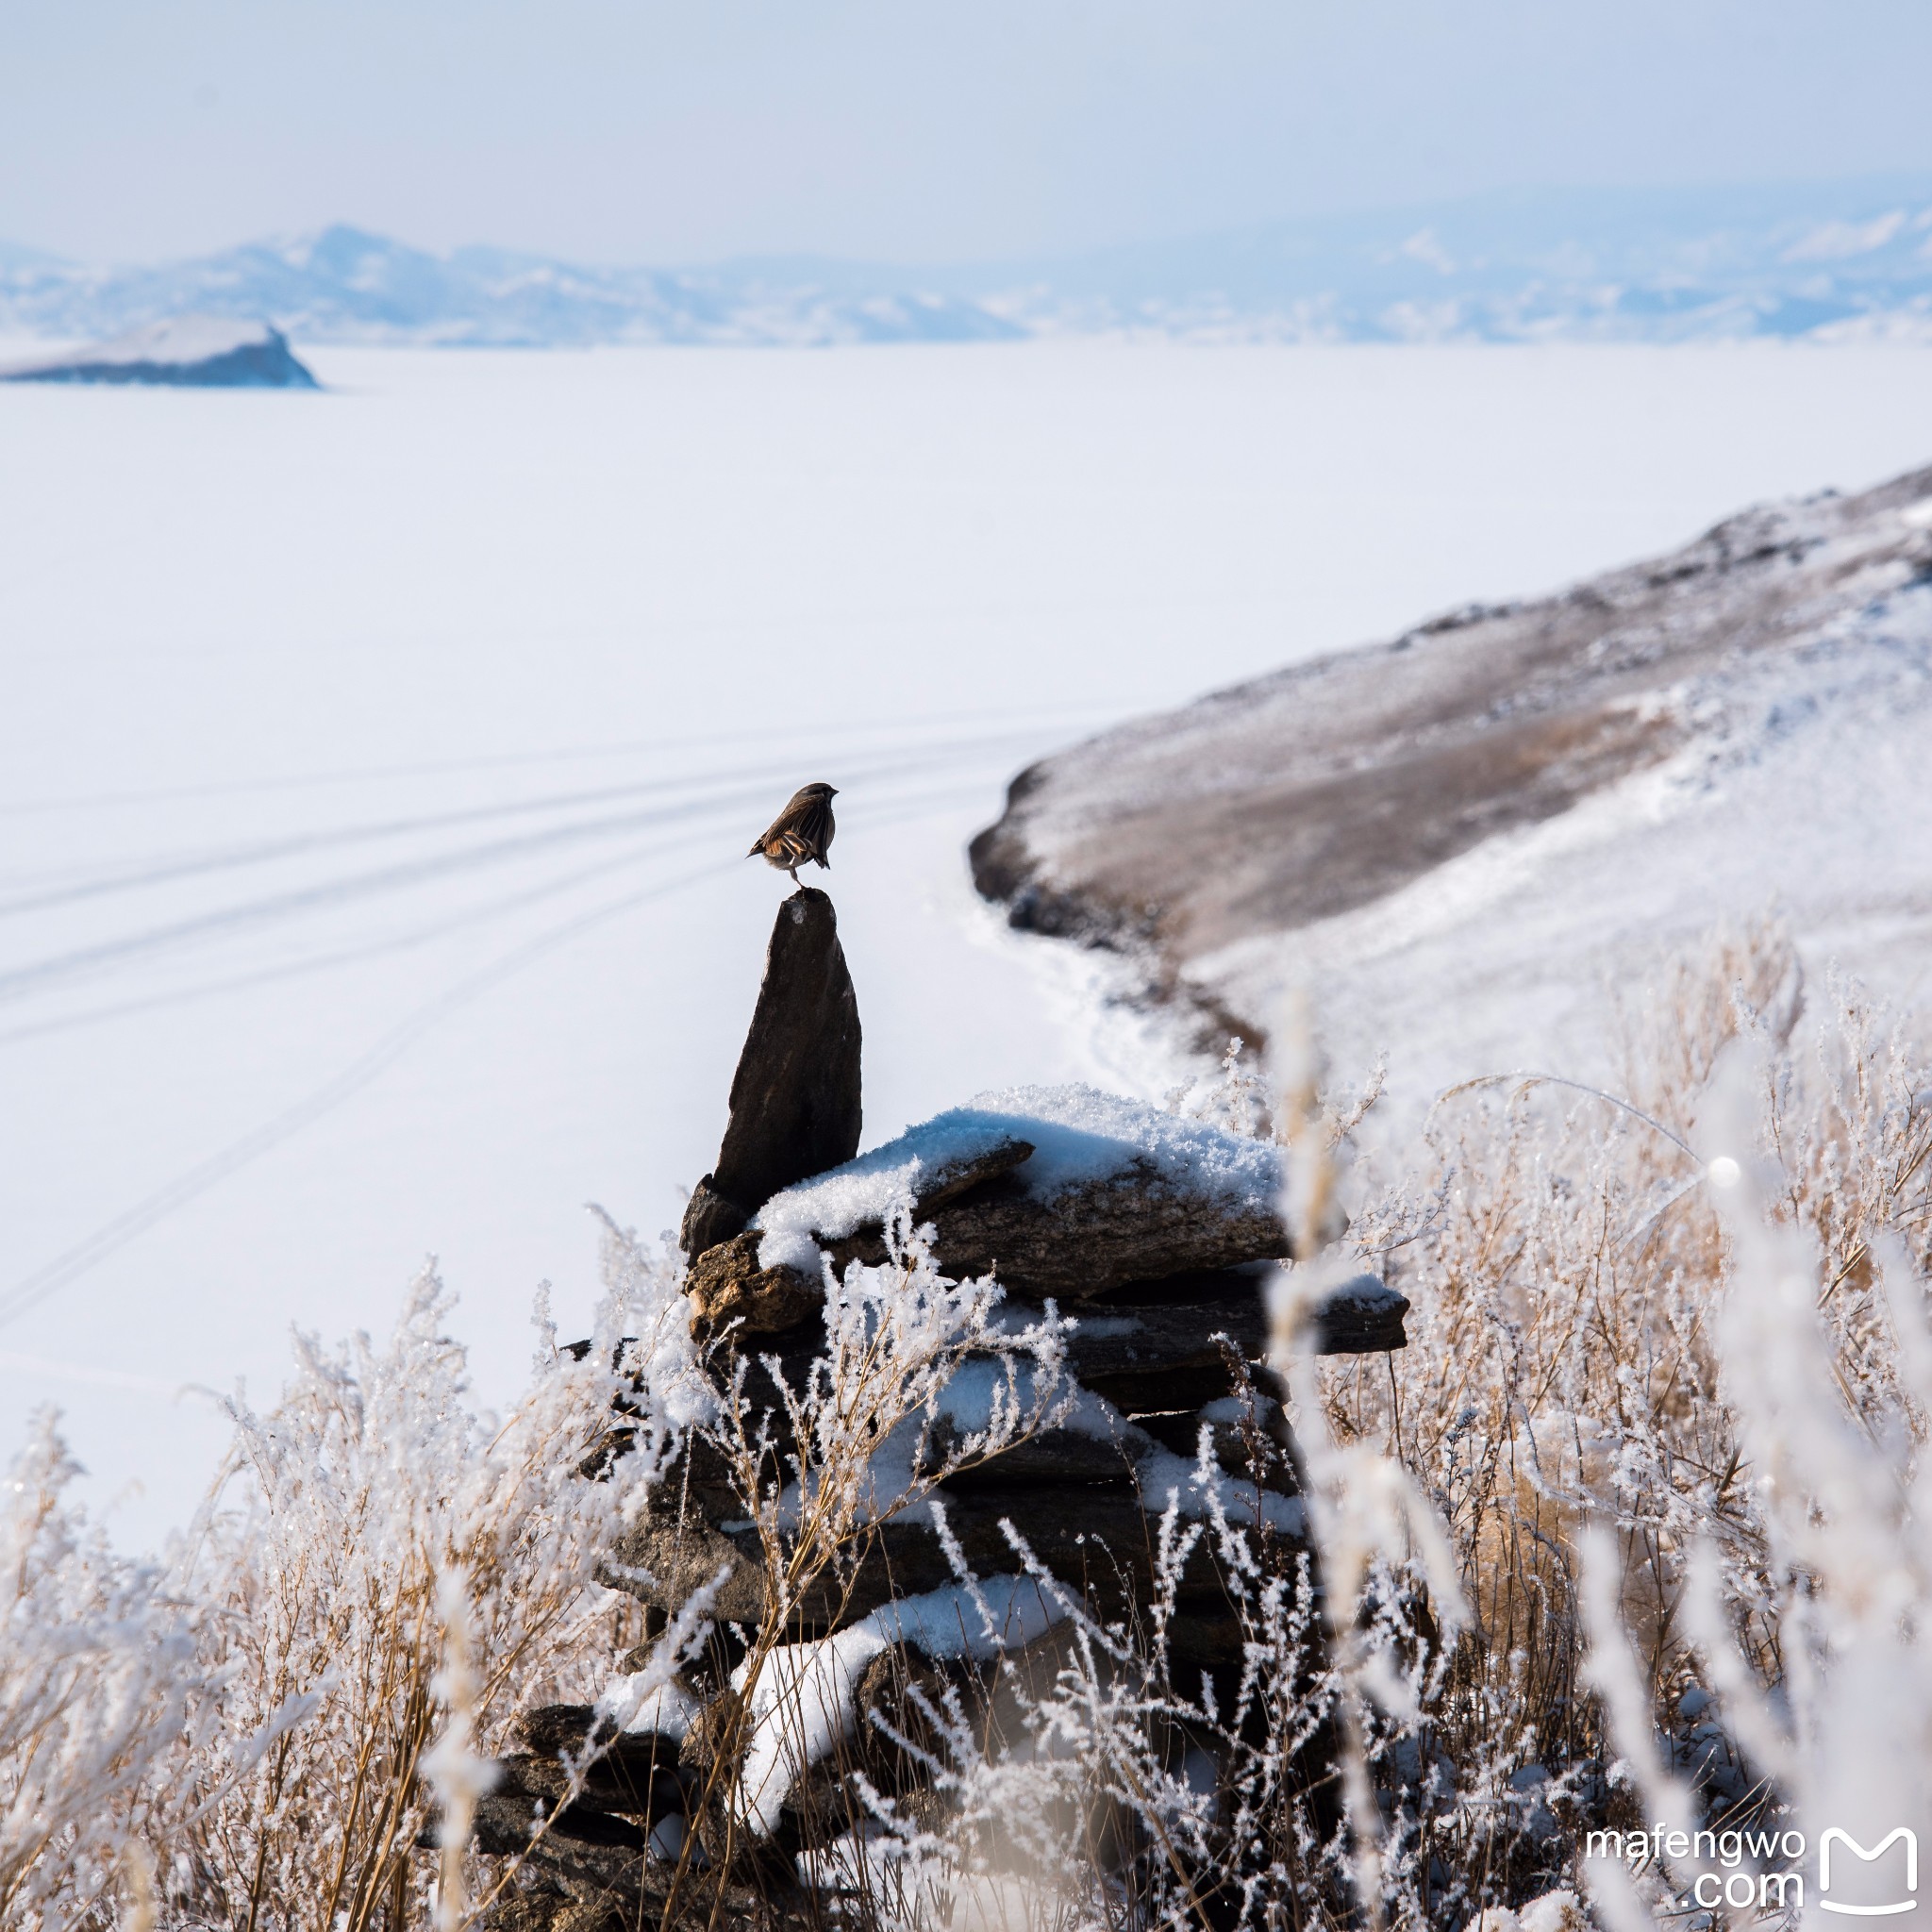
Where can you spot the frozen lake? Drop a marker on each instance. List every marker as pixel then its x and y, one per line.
pixel 374 766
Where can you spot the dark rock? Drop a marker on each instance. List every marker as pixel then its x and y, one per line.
pixel 729 1289
pixel 1111 1342
pixel 187 352
pixel 795 1095
pixel 1045 1458
pixel 567 1884
pixel 698 1482
pixel 715 1733
pixel 551 1730
pixel 510 1814
pixel 1364 1316
pixel 1146 1396
pixel 1251 1449
pixel 663 1562
pixel 726 1284
pixel 948 1182
pixel 710 1218
pixel 1110 1206
pixel 626 1775
pixel 1091 1237
pixel 1154 1357
pixel 1158 1361
pixel 1096 1539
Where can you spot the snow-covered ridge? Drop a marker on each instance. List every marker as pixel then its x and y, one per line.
pixel 1828 261
pixel 1458 838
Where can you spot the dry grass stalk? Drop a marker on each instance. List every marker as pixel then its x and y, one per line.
pixel 264 1729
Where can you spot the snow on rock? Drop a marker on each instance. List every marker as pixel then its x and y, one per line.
pixel 1081 1134
pixel 969 1405
pixel 1555 1911
pixel 188 351
pixel 646 1701
pixel 803 1700
pixel 1078 1134
pixel 1199 1490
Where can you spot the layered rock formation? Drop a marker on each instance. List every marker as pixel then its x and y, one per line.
pixel 1138 1242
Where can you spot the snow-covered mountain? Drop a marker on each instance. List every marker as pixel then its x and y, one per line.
pixel 1831 261
pixel 344 285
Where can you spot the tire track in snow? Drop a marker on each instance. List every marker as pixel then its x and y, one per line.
pixel 729 785
pixel 112 1234
pixel 60 969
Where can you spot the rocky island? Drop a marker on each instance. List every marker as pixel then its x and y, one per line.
pixel 187 352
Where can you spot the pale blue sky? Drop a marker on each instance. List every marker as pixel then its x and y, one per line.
pixel 904 130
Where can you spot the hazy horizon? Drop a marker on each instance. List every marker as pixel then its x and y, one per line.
pixel 862 132
pixel 1900 180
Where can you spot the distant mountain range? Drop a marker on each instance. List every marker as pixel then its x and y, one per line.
pixel 1834 261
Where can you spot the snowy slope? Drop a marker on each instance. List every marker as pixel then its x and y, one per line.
pixel 1458 839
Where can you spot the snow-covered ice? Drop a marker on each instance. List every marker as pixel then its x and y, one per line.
pixel 373 773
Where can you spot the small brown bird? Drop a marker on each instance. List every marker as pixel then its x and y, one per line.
pixel 802 832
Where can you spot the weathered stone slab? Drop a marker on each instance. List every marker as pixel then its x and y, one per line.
pixel 1363 1316
pixel 1093 1236
pixel 665 1562
pixel 795 1096
pixel 1095 1538
pixel 1047 1457
pixel 1136 1340
pixel 955 1178
pixel 729 1290
pixel 710 1217
pixel 1060 1190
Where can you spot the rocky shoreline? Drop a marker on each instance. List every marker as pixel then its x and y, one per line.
pixel 1346 809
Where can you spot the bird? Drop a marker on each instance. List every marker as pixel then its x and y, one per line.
pixel 801 833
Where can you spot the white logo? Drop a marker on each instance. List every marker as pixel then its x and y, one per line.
pixel 1878 1851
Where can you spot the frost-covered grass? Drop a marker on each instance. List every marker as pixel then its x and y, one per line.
pixel 246 1732
pixel 1629 1533
pixel 1680 1333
